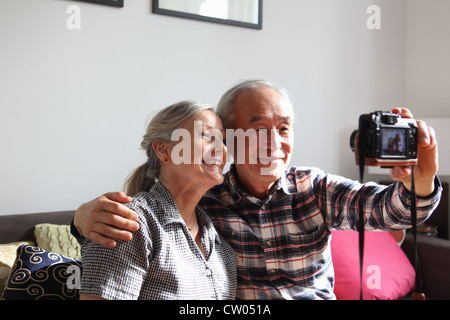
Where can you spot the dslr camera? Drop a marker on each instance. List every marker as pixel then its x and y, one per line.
pixel 385 139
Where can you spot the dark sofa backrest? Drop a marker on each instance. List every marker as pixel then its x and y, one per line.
pixel 20 227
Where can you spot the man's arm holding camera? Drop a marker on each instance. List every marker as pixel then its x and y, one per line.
pixel 106 218
pixel 428 162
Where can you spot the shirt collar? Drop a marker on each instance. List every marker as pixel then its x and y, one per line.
pixel 173 214
pixel 237 190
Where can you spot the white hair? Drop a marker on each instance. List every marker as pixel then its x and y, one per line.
pixel 225 107
pixel 161 127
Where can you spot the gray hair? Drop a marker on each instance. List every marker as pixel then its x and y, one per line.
pixel 225 107
pixel 161 127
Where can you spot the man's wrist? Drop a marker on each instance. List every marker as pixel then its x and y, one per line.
pixel 423 188
pixel 74 231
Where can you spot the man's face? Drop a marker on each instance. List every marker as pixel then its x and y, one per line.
pixel 267 113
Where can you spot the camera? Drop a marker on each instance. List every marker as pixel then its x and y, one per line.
pixel 385 139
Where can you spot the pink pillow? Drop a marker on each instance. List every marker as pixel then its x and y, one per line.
pixel 387 272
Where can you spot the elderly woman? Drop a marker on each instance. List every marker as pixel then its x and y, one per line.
pixel 176 253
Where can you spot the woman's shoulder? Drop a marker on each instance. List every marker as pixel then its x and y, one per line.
pixel 144 204
pixel 143 198
pixel 152 208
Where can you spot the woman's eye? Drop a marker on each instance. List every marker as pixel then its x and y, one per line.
pixel 206 135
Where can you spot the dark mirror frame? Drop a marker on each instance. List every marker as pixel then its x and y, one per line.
pixel 115 3
pixel 258 25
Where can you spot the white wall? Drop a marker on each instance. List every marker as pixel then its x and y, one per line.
pixel 427 73
pixel 74 103
pixel 427 83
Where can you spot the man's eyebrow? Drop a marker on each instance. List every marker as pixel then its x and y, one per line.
pixel 287 118
pixel 255 119
pixel 258 118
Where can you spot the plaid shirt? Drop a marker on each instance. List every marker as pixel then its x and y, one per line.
pixel 282 243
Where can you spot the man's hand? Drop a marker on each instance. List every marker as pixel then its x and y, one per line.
pixel 101 219
pixel 427 155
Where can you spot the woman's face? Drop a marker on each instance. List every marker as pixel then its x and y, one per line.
pixel 200 154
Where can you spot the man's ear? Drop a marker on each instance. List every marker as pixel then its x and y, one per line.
pixel 162 150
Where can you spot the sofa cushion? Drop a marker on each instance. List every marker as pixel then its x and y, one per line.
pixel 38 274
pixel 58 239
pixel 8 254
pixel 387 272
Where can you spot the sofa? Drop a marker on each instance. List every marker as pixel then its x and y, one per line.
pixel 45 269
pixel 39 258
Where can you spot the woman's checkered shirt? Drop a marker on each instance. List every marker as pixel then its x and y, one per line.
pixel 162 261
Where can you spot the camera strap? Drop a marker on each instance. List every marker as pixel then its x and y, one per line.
pixel 418 292
pixel 360 226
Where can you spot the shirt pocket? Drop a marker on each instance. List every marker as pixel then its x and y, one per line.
pixel 309 240
pixel 307 253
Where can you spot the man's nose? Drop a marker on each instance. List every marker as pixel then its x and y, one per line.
pixel 274 139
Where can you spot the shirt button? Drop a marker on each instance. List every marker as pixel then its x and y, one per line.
pixel 208 272
pixel 268 243
pixel 263 207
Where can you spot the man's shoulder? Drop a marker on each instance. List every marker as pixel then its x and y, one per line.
pixel 304 170
pixel 301 173
pixel 292 175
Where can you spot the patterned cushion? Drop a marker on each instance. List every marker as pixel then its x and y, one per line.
pixel 38 274
pixel 8 254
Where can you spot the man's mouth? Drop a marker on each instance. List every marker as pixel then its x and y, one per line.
pixel 212 162
pixel 269 160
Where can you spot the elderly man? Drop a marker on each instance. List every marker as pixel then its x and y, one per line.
pixel 278 218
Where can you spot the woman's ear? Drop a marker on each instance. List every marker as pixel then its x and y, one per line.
pixel 162 150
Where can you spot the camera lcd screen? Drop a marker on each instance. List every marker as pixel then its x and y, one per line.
pixel 393 142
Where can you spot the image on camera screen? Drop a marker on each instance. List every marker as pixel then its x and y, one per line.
pixel 393 142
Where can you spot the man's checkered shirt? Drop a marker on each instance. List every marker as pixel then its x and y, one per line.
pixel 282 243
pixel 162 261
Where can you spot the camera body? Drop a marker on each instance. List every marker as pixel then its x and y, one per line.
pixel 385 139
